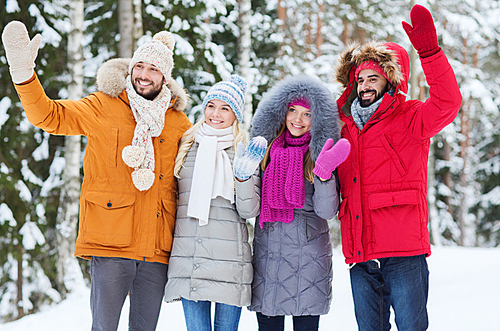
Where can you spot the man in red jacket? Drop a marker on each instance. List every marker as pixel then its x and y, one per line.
pixel 384 212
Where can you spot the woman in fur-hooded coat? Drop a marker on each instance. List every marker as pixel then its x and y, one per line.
pixel 293 260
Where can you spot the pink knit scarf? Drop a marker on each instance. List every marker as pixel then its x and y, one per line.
pixel 283 182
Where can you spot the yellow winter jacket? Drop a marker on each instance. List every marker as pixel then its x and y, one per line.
pixel 116 219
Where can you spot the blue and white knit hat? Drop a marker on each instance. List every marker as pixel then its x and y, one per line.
pixel 232 92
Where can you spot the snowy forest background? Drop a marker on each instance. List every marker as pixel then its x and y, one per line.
pixel 263 40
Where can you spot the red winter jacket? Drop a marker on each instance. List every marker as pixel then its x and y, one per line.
pixel 384 180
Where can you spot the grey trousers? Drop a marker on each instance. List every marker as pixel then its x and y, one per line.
pixel 114 278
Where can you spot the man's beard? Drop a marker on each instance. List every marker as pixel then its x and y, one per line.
pixel 151 94
pixel 378 95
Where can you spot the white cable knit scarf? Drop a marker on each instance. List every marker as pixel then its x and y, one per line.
pixel 212 173
pixel 150 118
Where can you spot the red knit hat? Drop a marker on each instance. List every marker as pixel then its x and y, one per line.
pixel 373 66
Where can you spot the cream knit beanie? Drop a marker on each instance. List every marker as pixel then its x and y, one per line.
pixel 158 52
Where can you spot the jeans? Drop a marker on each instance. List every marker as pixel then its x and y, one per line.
pixel 400 282
pixel 197 315
pixel 115 278
pixel 277 323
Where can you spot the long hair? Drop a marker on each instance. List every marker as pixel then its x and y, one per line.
pixel 188 139
pixel 308 164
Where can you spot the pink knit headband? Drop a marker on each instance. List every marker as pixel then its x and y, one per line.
pixel 370 65
pixel 300 102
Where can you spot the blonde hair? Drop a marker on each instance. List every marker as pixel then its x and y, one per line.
pixel 187 141
pixel 308 164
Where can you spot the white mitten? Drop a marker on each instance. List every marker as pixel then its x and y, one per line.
pixel 247 160
pixel 21 52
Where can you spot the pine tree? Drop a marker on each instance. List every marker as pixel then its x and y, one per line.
pixel 25 183
pixel 464 162
pixel 67 219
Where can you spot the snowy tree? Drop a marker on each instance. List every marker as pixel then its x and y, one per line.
pixel 126 27
pixel 244 51
pixel 67 218
pixel 470 37
pixel 26 186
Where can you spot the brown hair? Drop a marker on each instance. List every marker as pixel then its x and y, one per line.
pixel 308 164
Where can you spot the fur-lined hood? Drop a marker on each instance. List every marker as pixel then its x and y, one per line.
pixel 391 57
pixel 271 112
pixel 111 80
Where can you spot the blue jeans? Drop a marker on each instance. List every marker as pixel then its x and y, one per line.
pixel 197 315
pixel 277 323
pixel 400 282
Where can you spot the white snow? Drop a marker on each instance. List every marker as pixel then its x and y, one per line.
pixel 31 235
pixel 42 151
pixel 24 191
pixel 12 6
pixel 464 291
pixel 6 215
pixel 28 175
pixel 5 104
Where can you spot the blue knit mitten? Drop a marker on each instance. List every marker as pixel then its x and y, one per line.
pixel 247 160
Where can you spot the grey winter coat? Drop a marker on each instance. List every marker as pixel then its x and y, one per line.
pixel 293 261
pixel 213 262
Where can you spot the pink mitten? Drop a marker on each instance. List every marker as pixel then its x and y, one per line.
pixel 423 33
pixel 330 157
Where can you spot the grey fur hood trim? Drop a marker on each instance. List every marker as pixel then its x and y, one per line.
pixel 111 80
pixel 272 110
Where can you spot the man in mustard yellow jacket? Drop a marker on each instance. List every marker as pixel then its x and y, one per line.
pixel 129 194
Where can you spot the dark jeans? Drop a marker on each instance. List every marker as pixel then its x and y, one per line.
pixel 277 323
pixel 400 282
pixel 113 279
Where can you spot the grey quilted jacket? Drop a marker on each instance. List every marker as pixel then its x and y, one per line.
pixel 213 262
pixel 293 262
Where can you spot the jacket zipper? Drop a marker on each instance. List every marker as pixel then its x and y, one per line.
pixel 359 180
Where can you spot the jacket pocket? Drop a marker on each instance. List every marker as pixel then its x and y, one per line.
pixel 396 220
pixel 315 227
pixel 398 164
pixel 166 225
pixel 346 230
pixel 109 219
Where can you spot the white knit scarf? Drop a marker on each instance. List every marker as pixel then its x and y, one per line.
pixel 212 173
pixel 150 118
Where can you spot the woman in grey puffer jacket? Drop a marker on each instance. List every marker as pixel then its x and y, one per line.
pixel 292 250
pixel 211 258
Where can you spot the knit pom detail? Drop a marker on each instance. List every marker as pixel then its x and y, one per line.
pixel 133 156
pixel 143 179
pixel 166 38
pixel 239 81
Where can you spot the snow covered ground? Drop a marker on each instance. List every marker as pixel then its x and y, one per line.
pixel 464 295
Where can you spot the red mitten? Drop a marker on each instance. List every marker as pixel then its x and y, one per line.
pixel 423 33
